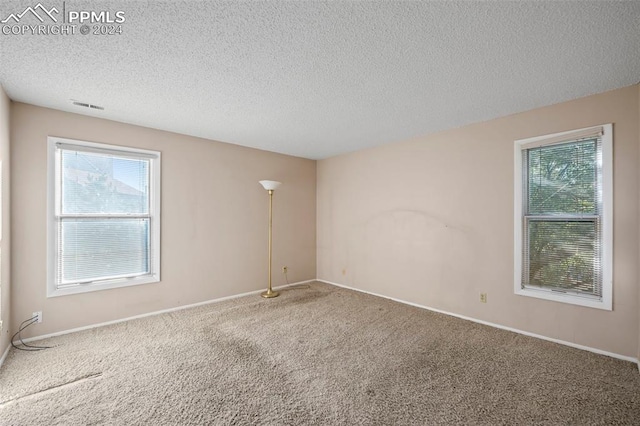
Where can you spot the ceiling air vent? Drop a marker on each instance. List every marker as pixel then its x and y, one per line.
pixel 86 105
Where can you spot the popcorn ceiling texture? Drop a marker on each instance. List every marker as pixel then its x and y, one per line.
pixel 316 355
pixel 316 79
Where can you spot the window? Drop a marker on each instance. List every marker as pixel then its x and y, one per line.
pixel 104 217
pixel 563 217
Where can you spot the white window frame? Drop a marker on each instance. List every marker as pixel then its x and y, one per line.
pixel 606 300
pixel 53 193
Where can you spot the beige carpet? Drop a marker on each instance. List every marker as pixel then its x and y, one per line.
pixel 316 355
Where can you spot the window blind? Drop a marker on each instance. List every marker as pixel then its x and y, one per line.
pixel 103 220
pixel 562 217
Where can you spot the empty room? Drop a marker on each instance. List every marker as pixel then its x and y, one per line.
pixel 319 212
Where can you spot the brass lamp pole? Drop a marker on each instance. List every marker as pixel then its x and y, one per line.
pixel 270 185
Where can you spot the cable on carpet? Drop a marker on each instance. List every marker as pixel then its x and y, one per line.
pixel 298 287
pixel 23 326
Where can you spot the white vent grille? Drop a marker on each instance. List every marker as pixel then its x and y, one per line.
pixel 86 105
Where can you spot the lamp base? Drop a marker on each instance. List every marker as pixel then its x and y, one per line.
pixel 269 294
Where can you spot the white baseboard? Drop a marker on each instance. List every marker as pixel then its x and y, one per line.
pixel 4 355
pixel 149 314
pixel 193 305
pixel 502 327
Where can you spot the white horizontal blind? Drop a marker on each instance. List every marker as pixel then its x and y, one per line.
pixel 562 209
pixel 103 216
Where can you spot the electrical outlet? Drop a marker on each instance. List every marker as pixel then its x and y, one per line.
pixel 285 269
pixel 39 315
pixel 483 297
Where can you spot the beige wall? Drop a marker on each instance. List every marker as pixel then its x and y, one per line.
pixel 430 221
pixel 5 251
pixel 214 220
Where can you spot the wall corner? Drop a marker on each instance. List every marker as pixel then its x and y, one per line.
pixel 5 224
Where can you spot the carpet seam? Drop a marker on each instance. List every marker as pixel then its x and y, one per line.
pixel 72 382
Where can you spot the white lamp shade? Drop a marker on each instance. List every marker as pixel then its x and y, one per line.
pixel 270 185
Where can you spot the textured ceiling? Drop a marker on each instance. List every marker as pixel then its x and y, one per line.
pixel 315 79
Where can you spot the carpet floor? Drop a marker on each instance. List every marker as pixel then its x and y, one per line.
pixel 316 355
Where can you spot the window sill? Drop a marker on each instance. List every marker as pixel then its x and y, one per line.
pixel 571 299
pixel 103 285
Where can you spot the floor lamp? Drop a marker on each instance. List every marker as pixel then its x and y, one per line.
pixel 270 185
